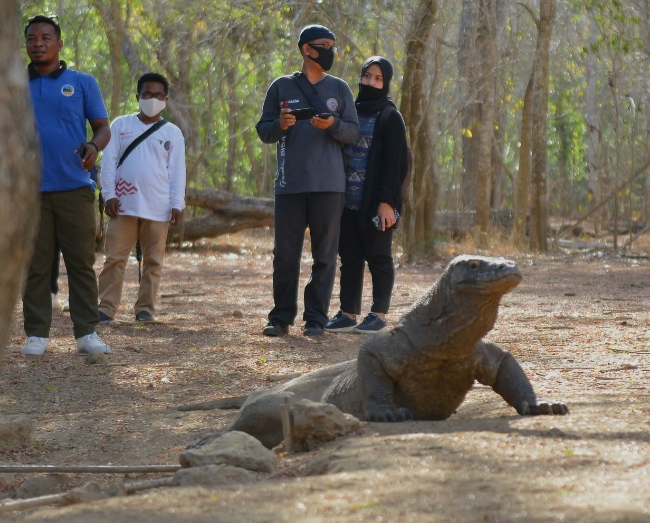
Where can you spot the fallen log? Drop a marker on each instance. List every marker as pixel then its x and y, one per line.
pixel 227 213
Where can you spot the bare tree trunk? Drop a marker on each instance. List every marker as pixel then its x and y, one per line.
pixel 113 20
pixel 539 200
pixel 487 48
pixel 416 111
pixel 523 175
pixel 612 80
pixel 593 132
pixel 645 35
pixel 232 127
pixel 20 167
pixel 469 69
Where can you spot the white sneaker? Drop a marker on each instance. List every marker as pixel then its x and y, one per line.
pixel 56 304
pixel 35 346
pixel 91 343
pixel 66 306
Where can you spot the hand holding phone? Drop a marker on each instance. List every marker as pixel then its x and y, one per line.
pixel 377 221
pixel 324 115
pixel 81 150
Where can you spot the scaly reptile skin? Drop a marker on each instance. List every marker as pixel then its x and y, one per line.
pixel 420 370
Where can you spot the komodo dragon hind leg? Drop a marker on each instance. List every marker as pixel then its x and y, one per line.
pixel 513 386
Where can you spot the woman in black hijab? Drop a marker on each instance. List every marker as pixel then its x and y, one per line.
pixel 375 168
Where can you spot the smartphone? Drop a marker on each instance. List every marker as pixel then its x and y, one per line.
pixel 304 113
pixel 324 115
pixel 377 221
pixel 82 149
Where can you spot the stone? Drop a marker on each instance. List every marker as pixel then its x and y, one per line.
pixel 89 492
pixel 15 432
pixel 318 422
pixel 213 475
pixel 96 358
pixel 235 448
pixel 6 482
pixel 42 485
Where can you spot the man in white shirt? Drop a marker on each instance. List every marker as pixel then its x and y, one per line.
pixel 145 193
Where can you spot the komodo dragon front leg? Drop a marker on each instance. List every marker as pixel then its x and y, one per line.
pixel 499 369
pixel 378 377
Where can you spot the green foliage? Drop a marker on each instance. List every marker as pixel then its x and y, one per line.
pixel 221 55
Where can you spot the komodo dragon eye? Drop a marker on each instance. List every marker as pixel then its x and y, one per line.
pixel 474 264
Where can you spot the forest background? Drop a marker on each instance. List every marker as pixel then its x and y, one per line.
pixel 539 107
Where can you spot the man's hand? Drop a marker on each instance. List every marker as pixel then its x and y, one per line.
pixel 176 217
pixel 112 207
pixel 322 123
pixel 89 158
pixel 286 119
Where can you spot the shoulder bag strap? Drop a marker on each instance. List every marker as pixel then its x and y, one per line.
pixel 310 92
pixel 141 139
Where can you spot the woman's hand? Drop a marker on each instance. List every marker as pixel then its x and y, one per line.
pixel 386 215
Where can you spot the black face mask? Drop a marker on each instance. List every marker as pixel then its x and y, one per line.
pixel 325 57
pixel 367 92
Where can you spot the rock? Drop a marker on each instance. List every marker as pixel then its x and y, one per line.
pixel 232 448
pixel 89 492
pixel 237 314
pixel 117 489
pixel 15 431
pixel 315 422
pixel 42 485
pixel 96 358
pixel 213 475
pixel 6 480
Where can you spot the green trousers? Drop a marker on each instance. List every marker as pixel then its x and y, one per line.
pixel 67 217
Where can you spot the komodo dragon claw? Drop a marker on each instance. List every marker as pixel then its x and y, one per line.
pixel 388 414
pixel 544 408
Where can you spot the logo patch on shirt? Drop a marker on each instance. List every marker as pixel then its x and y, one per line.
pixel 333 104
pixel 67 90
pixel 167 145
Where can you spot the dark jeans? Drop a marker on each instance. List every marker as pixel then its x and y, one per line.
pixel 321 212
pixel 360 243
pixel 67 217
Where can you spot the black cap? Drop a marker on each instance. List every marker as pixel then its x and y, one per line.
pixel 313 32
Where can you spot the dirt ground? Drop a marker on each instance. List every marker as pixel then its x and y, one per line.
pixel 579 324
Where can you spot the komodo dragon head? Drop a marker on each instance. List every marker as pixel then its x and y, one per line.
pixel 462 305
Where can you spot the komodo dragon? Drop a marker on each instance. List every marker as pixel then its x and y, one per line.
pixel 420 370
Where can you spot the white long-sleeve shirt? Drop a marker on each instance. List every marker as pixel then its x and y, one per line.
pixel 151 181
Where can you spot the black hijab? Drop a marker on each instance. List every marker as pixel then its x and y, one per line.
pixel 371 100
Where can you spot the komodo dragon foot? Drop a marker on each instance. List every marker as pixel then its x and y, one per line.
pixel 543 408
pixel 388 414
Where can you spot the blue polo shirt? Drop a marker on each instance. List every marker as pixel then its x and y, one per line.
pixel 63 101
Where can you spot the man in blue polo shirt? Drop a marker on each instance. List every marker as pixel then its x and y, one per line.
pixel 63 101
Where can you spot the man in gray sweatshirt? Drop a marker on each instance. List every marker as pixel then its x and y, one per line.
pixel 310 180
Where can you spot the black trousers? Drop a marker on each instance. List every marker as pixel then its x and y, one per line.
pixel 321 212
pixel 54 279
pixel 360 243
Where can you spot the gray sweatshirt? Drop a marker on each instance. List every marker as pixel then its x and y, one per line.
pixel 309 159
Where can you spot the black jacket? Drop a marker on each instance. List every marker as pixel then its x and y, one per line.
pixel 387 164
